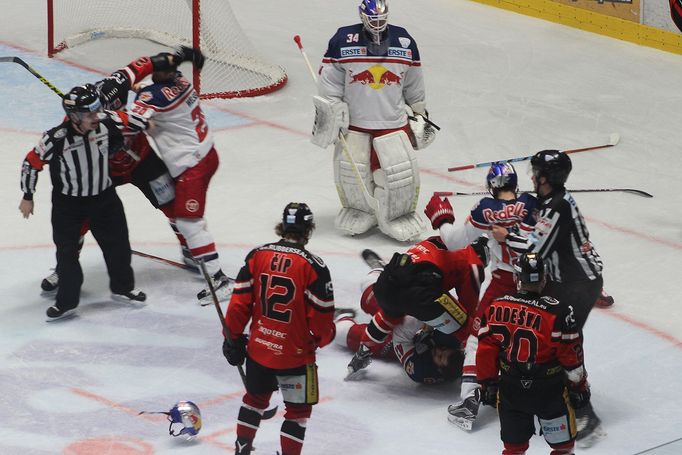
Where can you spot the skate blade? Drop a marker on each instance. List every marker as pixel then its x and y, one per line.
pixel 355 375
pixel 461 422
pixel 592 438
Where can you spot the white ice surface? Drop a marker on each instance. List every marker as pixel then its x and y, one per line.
pixel 500 85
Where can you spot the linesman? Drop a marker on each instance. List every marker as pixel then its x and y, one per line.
pixel 77 151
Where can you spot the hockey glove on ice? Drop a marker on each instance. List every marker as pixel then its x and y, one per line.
pixel 439 211
pixel 235 350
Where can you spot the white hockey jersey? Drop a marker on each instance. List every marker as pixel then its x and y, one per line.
pixel 180 133
pixel 375 87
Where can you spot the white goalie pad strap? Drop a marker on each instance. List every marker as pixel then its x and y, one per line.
pixel 399 176
pixel 331 117
pixel 348 183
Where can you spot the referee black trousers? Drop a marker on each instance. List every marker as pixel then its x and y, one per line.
pixel 582 295
pixel 107 220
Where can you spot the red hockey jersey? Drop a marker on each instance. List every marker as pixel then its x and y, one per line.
pixel 287 294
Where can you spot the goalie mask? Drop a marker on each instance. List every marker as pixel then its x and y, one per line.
pixel 186 414
pixel 374 16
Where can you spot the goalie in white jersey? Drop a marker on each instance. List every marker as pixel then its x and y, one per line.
pixel 185 144
pixel 370 83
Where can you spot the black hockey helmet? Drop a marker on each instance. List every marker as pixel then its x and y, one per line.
pixel 297 218
pixel 529 268
pixel 554 165
pixel 82 99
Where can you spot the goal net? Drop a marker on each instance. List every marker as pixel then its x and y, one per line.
pixel 233 68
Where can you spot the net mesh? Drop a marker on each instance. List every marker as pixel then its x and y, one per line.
pixel 233 68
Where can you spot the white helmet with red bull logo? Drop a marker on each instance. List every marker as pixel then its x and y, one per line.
pixel 374 15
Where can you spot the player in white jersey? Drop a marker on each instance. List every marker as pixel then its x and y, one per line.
pixel 185 143
pixel 370 83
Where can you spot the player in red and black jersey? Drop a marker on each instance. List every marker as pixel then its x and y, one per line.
pixel 418 283
pixel 529 349
pixel 286 292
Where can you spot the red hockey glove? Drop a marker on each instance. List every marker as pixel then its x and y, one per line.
pixel 439 211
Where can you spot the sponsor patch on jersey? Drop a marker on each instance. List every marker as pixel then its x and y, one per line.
pixel 145 96
pixel 354 51
pixel 398 52
pixel 60 133
pixel 404 42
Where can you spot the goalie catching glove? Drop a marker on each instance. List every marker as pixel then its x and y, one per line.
pixel 331 119
pixel 424 132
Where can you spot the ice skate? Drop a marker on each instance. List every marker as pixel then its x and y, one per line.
pixel 358 363
pixel 222 284
pixel 373 260
pixel 604 300
pixel 55 313
pixel 464 413
pixel 50 284
pixel 132 296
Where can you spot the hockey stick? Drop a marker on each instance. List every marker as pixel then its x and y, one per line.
pixel 614 138
pixel 179 265
pixel 593 190
pixel 371 201
pixel 268 413
pixel 32 71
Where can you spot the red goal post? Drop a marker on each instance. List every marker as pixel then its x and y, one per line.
pixel 233 68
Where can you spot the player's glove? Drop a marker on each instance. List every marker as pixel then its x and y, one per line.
pixel 489 393
pixel 439 211
pixel 235 350
pixel 164 61
pixel 480 246
pixel 188 54
pixel 579 394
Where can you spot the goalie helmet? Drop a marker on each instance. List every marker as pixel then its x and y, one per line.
pixel 186 414
pixel 502 177
pixel 554 165
pixel 529 268
pixel 297 218
pixel 374 16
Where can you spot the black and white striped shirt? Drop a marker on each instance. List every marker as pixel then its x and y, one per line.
pixel 561 237
pixel 79 164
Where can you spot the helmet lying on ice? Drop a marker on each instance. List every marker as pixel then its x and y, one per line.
pixel 186 414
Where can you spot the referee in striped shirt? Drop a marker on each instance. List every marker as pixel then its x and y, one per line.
pixel 77 152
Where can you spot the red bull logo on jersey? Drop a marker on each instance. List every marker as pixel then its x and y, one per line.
pixel 513 212
pixel 377 77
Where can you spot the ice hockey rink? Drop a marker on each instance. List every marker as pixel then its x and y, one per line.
pixel 499 84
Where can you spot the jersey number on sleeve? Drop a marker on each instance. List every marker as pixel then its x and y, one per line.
pixel 276 291
pixel 201 128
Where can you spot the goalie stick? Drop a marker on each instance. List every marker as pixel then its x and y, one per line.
pixel 592 190
pixel 268 413
pixel 371 200
pixel 614 138
pixel 32 71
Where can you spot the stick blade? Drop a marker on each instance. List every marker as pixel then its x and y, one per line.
pixel 614 138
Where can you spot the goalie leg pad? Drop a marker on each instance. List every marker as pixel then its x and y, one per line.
pixel 331 117
pixel 356 216
pixel 397 187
